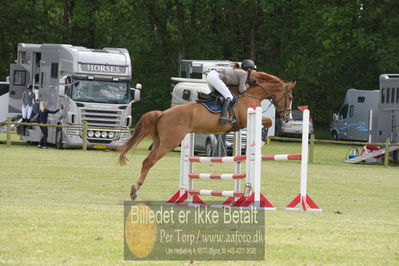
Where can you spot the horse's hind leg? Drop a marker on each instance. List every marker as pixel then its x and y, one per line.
pixel 169 137
pixel 148 162
pixel 157 152
pixel 163 144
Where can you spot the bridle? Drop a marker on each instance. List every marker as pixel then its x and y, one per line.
pixel 275 102
pixel 282 109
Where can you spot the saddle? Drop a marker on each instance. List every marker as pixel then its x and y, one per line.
pixel 214 101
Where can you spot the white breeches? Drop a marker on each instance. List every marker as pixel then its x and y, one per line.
pixel 218 84
pixel 26 111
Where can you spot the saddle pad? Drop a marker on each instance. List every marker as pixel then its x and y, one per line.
pixel 214 106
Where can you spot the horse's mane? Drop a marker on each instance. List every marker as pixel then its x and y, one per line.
pixel 266 79
pixel 262 77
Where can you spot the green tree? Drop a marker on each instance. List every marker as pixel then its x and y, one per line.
pixel 326 46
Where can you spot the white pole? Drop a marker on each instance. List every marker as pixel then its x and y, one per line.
pixel 304 156
pixel 237 151
pixel 249 148
pixel 185 165
pixel 253 162
pixel 370 123
pixel 257 121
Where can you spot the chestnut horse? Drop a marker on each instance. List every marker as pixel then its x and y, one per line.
pixel 168 128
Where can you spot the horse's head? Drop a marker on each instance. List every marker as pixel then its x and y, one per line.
pixel 282 100
pixel 278 91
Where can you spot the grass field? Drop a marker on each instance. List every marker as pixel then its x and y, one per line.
pixel 66 207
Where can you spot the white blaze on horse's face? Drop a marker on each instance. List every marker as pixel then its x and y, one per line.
pixel 290 108
pixel 286 106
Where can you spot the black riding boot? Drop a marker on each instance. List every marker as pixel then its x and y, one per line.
pixel 224 119
pixel 23 126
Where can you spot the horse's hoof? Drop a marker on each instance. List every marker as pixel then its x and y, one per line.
pixel 133 193
pixel 265 130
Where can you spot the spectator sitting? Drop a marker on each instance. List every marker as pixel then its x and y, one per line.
pixel 28 99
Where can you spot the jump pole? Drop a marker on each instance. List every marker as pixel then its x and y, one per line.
pixel 253 166
pixel 237 152
pixel 186 195
pixel 303 199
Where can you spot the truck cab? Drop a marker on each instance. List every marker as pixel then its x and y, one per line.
pixel 93 85
pixel 354 119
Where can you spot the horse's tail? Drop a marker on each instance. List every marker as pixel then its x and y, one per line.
pixel 146 127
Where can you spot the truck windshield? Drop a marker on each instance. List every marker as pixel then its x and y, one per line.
pixel 101 92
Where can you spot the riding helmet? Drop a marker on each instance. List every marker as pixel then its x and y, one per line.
pixel 248 63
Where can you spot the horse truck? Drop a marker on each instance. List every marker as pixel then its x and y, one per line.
pixel 92 85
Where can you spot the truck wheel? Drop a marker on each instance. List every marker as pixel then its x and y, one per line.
pixel 58 139
pixel 208 148
pixel 334 135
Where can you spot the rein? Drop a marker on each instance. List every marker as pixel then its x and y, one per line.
pixel 275 102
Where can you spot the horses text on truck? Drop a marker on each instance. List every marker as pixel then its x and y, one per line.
pixel 92 85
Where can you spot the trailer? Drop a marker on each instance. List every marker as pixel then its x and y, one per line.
pixel 356 116
pixel 93 85
pixel 371 116
pixel 387 123
pixel 4 97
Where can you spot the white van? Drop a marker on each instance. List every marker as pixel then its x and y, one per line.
pixel 4 95
pixel 352 122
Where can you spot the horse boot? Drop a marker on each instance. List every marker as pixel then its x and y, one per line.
pixel 265 130
pixel 224 119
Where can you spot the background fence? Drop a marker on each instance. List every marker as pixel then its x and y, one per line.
pixel 312 139
pixel 83 127
pixel 312 142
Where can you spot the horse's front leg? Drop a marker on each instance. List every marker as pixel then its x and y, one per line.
pixel 267 123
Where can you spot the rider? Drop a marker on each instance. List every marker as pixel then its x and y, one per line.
pixel 230 77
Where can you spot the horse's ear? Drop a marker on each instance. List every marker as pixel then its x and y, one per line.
pixel 292 84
